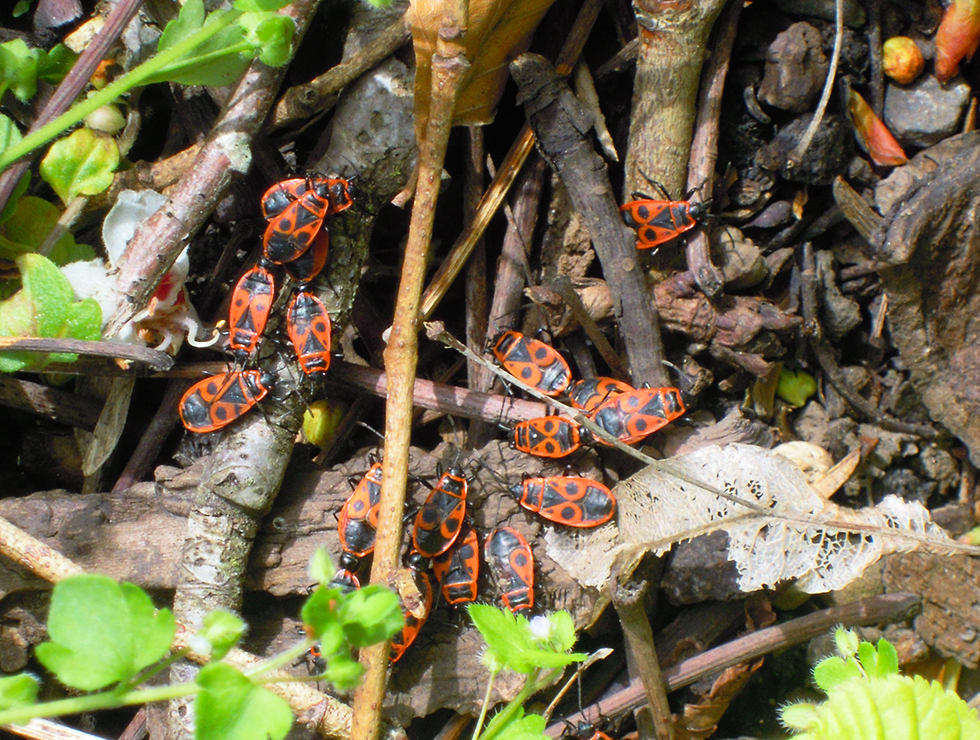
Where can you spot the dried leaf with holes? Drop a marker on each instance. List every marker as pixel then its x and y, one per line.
pixel 785 530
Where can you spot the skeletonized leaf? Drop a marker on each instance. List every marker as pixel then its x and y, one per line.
pixel 786 530
pixel 497 32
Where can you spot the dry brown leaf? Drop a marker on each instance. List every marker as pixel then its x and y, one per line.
pixel 699 721
pixel 497 32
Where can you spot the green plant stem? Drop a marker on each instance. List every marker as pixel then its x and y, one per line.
pixel 131 79
pixel 280 660
pixel 486 705
pixel 93 702
pixel 532 687
pixel 154 670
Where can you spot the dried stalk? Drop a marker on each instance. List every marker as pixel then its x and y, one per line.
pixel 449 69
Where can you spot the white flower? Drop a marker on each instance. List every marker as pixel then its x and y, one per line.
pixel 169 316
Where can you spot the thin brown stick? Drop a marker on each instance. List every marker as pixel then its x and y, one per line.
pixel 160 361
pixel 704 147
pixel 449 69
pixel 49 403
pixel 825 356
pixel 560 123
pixel 476 276
pixel 882 609
pixel 161 238
pixel 505 177
pixel 563 287
pixel 319 95
pixel 629 592
pixel 163 422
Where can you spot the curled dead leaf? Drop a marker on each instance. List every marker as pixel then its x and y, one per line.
pixel 872 133
pixel 957 37
pixel 496 32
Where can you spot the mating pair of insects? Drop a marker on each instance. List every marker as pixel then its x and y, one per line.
pixel 628 414
pixel 297 239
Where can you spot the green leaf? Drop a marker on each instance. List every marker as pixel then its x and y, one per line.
pixel 222 630
pixel 343 672
pixel 28 226
pixel 17 691
pixel 319 611
pixel 20 8
pixel 511 643
pixel 271 35
pixel 833 671
pixel 370 615
pixel 230 707
pixel 18 69
pixel 892 707
pixel 80 164
pixel 847 642
pixel 528 727
pixel 322 569
pixel 43 307
pixel 103 632
pixel 562 631
pixel 252 6
pixel 9 133
pixel 795 388
pixel 55 64
pixel 215 62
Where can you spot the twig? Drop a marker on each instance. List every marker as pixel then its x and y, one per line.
pixel 875 610
pixel 825 356
pixel 163 422
pixel 159 361
pixel 796 156
pixel 505 177
pixel 704 148
pixel 628 594
pixel 319 95
pixel 49 403
pixel 449 68
pixel 73 84
pixel 877 81
pixel 560 125
pixel 563 287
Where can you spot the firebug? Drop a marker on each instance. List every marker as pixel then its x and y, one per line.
pixel 439 520
pixel 458 568
pixel 659 221
pixel 308 325
pixel 632 416
pixel 574 501
pixel 587 394
pixel 251 303
pixel 217 401
pixel 548 436
pixel 510 560
pixel 532 361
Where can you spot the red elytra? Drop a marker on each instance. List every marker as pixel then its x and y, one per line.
pixel 629 417
pixel 294 223
pixel 569 500
pixel 308 326
pixel 548 436
pixel 587 394
pixel 401 642
pixel 251 304
pixel 217 401
pixel 458 569
pixel 358 519
pixel 511 562
pixel 659 221
pixel 439 520
pixel 532 361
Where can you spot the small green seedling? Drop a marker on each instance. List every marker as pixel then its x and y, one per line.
pixel 867 699
pixel 108 638
pixel 795 387
pixel 537 648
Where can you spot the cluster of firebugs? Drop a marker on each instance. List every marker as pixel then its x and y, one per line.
pixel 297 239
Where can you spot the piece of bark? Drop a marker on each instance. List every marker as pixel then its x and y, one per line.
pixel 950 590
pixel 928 253
pixel 561 126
